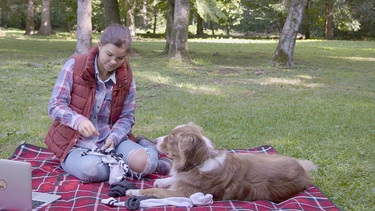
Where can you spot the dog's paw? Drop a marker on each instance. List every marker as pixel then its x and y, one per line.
pixel 133 193
pixel 162 183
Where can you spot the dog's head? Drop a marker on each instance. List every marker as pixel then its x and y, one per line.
pixel 188 147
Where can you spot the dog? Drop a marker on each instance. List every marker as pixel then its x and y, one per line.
pixel 198 166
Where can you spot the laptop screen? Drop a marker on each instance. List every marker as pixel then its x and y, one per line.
pixel 15 188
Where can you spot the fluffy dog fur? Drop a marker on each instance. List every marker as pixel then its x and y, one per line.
pixel 200 167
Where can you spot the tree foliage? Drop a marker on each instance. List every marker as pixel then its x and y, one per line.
pixel 353 19
pixel 209 10
pixel 343 17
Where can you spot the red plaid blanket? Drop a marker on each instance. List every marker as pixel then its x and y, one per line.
pixel 76 195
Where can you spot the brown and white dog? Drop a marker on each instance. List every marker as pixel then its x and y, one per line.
pixel 200 167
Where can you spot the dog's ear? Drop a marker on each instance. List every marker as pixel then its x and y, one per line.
pixel 183 143
pixel 193 151
pixel 172 145
pixel 187 142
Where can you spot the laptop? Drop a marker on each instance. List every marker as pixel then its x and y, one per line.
pixel 16 187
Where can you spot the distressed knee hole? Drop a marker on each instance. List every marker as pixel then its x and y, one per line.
pixel 138 161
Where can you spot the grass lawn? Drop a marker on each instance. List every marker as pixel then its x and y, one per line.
pixel 323 109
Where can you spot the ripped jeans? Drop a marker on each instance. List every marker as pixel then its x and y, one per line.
pixel 90 168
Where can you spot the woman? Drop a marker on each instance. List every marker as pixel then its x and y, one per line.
pixel 92 105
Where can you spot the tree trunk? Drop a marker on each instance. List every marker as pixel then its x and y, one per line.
pixel 212 28
pixel 30 27
pixel 178 50
pixel 199 25
pixel 284 53
pixel 155 12
pixel 45 26
pixel 227 27
pixel 111 12
pixel 306 21
pixel 129 19
pixel 144 14
pixel 329 20
pixel 84 26
pixel 169 26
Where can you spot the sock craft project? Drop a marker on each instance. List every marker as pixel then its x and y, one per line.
pixel 117 167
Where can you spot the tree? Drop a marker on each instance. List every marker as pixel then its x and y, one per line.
pixel 157 9
pixel 30 27
pixel 84 27
pixel 335 18
pixel 263 16
pixel 111 12
pixel 329 20
pixel 344 17
pixel 169 26
pixel 284 53
pixel 129 19
pixel 64 15
pixel 364 11
pixel 306 21
pixel 199 25
pixel 45 25
pixel 351 19
pixel 145 19
pixel 210 12
pixel 233 11
pixel 178 49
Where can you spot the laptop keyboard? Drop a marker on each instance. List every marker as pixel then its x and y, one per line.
pixel 37 203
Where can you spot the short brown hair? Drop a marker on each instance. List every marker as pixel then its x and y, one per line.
pixel 117 35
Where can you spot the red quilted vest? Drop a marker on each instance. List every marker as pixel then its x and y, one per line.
pixel 61 138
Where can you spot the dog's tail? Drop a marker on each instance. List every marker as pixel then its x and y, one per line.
pixel 309 166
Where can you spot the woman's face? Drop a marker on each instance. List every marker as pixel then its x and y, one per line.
pixel 110 57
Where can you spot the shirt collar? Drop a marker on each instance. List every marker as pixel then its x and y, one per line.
pixel 112 77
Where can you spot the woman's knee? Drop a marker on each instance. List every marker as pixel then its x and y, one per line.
pixel 141 161
pixel 88 169
pixel 94 172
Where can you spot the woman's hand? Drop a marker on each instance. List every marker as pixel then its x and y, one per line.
pixel 87 129
pixel 109 143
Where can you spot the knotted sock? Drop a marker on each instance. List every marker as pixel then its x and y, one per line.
pixel 119 188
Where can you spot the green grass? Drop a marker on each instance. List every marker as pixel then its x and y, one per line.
pixel 323 109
